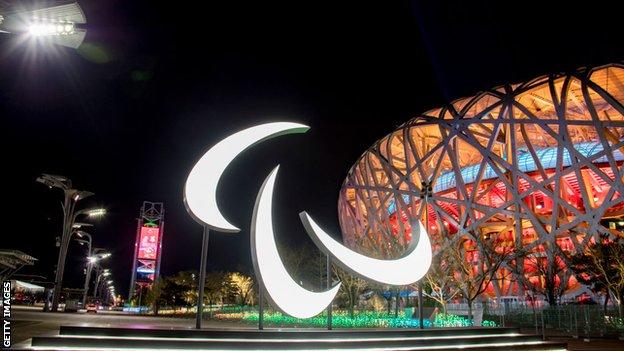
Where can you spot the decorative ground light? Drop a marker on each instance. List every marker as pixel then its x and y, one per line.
pixel 341 319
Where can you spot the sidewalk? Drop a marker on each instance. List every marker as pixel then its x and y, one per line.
pixel 595 344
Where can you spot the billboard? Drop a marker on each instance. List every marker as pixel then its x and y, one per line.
pixel 146 271
pixel 147 254
pixel 149 234
pixel 148 243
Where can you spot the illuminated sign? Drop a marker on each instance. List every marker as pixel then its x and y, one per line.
pixel 390 272
pixel 146 271
pixel 148 243
pixel 200 191
pixel 283 291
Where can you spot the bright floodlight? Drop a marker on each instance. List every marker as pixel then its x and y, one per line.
pixel 391 272
pixel 96 212
pixel 200 191
pixel 50 28
pixel 109 282
pixel 286 294
pixel 92 259
pixel 56 24
pixel 106 274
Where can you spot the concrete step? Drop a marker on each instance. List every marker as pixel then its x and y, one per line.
pixel 309 339
pixel 293 333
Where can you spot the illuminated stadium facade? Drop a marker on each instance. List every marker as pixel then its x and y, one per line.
pixel 536 167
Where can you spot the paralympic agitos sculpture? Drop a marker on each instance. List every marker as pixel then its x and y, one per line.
pixel 283 291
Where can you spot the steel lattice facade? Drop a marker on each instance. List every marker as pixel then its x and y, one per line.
pixel 535 165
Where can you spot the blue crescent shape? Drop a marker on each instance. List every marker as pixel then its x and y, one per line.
pixel 283 291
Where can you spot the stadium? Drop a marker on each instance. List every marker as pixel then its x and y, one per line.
pixel 533 167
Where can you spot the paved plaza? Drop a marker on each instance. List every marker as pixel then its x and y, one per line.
pixel 29 322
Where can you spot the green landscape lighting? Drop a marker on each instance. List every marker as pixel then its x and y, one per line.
pixel 342 319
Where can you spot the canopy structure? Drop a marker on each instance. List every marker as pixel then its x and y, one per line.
pixel 13 260
pixel 535 165
pixel 20 285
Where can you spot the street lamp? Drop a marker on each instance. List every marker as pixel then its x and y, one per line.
pixel 90 212
pixel 79 225
pixel 103 274
pixel 60 25
pixel 72 196
pixel 93 257
pixel 91 260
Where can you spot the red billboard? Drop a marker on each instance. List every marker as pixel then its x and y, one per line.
pixel 148 243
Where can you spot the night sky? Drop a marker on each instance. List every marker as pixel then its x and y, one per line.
pixel 156 83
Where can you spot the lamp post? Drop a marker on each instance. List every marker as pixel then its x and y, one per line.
pixel 71 197
pixel 94 256
pixel 105 273
pixel 112 294
pixel 89 265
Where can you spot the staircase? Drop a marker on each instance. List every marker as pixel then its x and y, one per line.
pixel 439 339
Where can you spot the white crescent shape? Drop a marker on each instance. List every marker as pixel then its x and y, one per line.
pixel 200 190
pixel 283 291
pixel 407 269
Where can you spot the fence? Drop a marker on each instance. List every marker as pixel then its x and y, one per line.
pixel 582 321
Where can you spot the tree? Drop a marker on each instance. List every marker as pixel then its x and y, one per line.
pixel 243 287
pixel 439 284
pixel 218 288
pixel 541 271
pixel 302 264
pixel 601 267
pixel 474 264
pixel 155 296
pixel 350 289
pixel 182 288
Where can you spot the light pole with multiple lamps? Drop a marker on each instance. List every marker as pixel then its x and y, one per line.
pixel 71 197
pixel 103 274
pixel 93 258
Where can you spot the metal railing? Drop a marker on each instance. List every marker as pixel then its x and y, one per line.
pixel 580 321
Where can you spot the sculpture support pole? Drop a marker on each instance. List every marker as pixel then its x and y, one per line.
pixel 329 281
pixel 260 307
pixel 202 278
pixel 396 303
pixel 421 309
